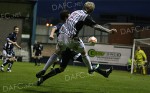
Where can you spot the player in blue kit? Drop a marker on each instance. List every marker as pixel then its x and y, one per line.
pixel 8 53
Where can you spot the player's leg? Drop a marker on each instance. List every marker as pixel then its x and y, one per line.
pixel 4 56
pixel 48 75
pixel 105 73
pixel 35 60
pixel 135 68
pixel 47 65
pixel 39 61
pixel 38 54
pixel 54 64
pixel 52 58
pixel 79 58
pixel 4 64
pixel 61 46
pixel 11 61
pixel 63 65
pixel 85 57
pixel 88 63
pixel 50 61
pixel 143 68
pixel 10 66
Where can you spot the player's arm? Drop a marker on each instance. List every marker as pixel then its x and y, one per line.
pixel 101 28
pixel 51 36
pixel 8 39
pixel 18 45
pixel 14 43
pixel 90 22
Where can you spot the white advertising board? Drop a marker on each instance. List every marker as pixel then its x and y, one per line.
pixel 108 54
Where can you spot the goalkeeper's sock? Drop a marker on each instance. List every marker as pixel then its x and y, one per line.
pixel 51 73
pixel 144 71
pixel 135 69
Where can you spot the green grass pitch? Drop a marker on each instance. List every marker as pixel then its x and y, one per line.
pixel 75 79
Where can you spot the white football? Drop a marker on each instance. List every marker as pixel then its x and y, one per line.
pixel 92 40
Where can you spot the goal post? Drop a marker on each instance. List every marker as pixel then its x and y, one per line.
pixel 133 49
pixel 144 44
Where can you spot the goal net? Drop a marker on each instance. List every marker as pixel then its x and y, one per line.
pixel 145 45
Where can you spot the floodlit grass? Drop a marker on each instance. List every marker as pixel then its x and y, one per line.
pixel 75 79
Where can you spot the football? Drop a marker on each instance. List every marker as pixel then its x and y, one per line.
pixel 92 40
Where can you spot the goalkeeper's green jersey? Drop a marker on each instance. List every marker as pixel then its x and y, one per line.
pixel 140 55
pixel 129 61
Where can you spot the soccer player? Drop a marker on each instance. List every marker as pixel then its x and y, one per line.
pixel 63 16
pixel 9 56
pixel 37 51
pixel 140 60
pixel 68 39
pixel 8 53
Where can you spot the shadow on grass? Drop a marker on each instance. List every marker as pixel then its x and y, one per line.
pixel 50 91
pixel 54 89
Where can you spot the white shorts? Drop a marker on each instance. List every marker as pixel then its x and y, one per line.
pixel 7 55
pixel 4 53
pixel 75 44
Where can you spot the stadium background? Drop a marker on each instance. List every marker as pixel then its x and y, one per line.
pixel 130 17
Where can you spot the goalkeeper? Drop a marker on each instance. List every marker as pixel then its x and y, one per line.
pixel 140 60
